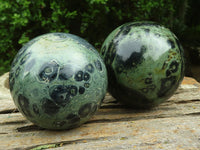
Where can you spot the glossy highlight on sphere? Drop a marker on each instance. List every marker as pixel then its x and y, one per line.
pixel 145 63
pixel 58 81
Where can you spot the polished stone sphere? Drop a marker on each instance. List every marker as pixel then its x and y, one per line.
pixel 58 81
pixel 145 63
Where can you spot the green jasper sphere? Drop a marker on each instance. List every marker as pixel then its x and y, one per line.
pixel 58 81
pixel 145 63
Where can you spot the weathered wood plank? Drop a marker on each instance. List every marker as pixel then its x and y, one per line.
pixel 148 134
pixel 172 125
pixel 165 132
pixel 6 103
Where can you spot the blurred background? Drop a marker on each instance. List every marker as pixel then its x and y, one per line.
pixel 22 20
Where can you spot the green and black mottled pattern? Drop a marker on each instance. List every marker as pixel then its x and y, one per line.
pixel 58 81
pixel 145 63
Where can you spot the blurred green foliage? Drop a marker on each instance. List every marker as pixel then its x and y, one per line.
pixel 22 20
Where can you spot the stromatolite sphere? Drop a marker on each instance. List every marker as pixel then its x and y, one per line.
pixel 145 63
pixel 58 80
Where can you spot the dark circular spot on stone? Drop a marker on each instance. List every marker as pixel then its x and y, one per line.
pixel 166 85
pixel 86 76
pixel 48 71
pixel 89 68
pixel 98 65
pixel 147 30
pixel 24 105
pixel 81 90
pixel 79 76
pixel 85 110
pixel 174 66
pixel 86 85
pixel 61 95
pixel 148 81
pixel 50 107
pixel 35 109
pixel 171 43
pixel 157 34
pixel 73 119
pixel 73 90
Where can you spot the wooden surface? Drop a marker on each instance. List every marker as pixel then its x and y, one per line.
pixel 174 125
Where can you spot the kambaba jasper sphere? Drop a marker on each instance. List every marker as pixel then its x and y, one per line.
pixel 145 63
pixel 58 81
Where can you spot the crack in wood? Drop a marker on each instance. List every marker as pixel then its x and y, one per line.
pixel 29 128
pixel 13 122
pixel 139 118
pixel 187 101
pixel 64 143
pixel 3 133
pixel 9 111
pixel 150 144
pixel 125 119
pixel 193 114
